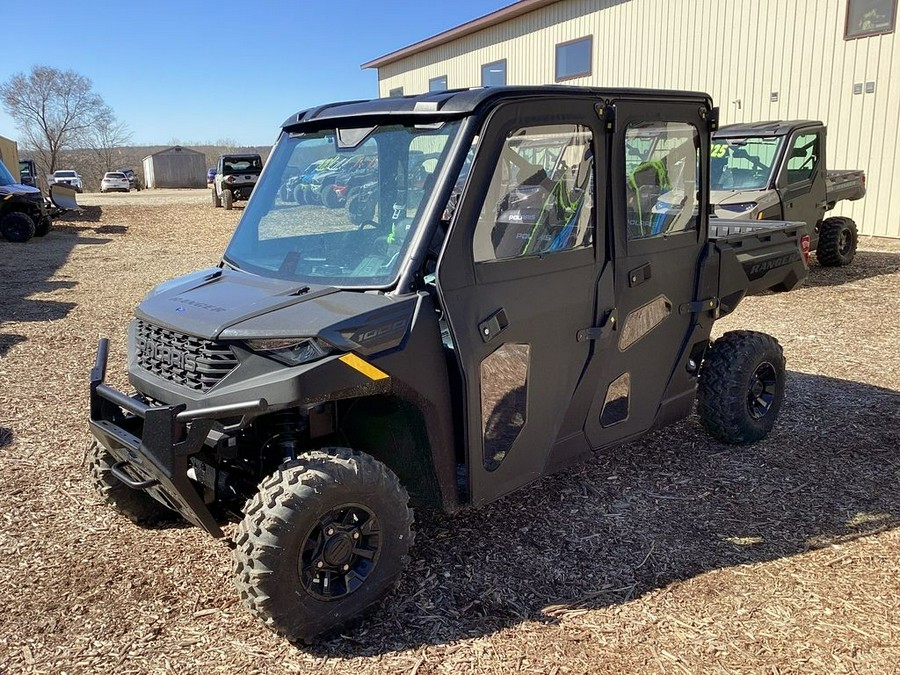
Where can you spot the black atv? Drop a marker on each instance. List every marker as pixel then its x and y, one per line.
pixel 24 213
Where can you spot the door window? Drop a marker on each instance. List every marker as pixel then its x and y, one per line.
pixel 540 198
pixel 803 159
pixel 662 167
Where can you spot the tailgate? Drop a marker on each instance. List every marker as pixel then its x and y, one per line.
pixel 844 184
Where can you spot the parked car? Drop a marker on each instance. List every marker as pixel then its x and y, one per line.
pixel 133 180
pixel 67 177
pixel 115 181
pixel 211 175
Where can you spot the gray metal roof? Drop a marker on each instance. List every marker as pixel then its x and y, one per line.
pixel 770 128
pixel 504 14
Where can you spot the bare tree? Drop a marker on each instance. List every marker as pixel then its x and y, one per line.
pixel 106 140
pixel 55 109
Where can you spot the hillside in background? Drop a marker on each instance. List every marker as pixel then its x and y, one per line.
pixel 91 165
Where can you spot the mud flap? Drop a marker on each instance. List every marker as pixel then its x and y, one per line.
pixel 63 197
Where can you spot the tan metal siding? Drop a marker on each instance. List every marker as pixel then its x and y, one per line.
pixel 737 50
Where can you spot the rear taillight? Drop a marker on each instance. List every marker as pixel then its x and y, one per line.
pixel 230 179
pixel 804 248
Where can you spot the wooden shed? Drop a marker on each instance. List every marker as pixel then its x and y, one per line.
pixel 175 167
pixel 9 155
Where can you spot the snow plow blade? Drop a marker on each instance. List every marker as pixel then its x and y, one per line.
pixel 63 197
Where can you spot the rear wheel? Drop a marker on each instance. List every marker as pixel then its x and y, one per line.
pixel 741 386
pixel 227 199
pixel 137 505
pixel 42 229
pixel 17 226
pixel 325 537
pixel 299 195
pixel 837 242
pixel 216 201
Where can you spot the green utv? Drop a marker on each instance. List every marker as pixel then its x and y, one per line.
pixel 528 303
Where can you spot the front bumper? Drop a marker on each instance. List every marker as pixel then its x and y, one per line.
pixel 152 444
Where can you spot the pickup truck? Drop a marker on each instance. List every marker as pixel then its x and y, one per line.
pixel 66 177
pixel 531 302
pixel 778 170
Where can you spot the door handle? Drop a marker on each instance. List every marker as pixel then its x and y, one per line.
pixel 493 325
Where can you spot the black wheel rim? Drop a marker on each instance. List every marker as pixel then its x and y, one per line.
pixel 340 552
pixel 762 390
pixel 845 242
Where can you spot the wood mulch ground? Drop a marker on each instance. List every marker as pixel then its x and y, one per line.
pixel 676 554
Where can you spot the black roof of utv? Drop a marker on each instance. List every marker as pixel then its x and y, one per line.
pixel 770 128
pixel 462 102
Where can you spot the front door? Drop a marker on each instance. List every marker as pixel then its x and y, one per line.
pixel 641 373
pixel 517 280
pixel 801 180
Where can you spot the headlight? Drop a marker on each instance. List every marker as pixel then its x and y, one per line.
pixel 743 207
pixel 291 351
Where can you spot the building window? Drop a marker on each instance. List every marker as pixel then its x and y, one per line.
pixel 493 74
pixel 396 93
pixel 573 59
pixel 870 17
pixel 438 83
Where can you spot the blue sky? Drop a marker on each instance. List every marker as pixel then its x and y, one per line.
pixel 194 72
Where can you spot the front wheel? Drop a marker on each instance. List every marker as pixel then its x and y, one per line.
pixel 837 242
pixel 741 386
pixel 326 536
pixel 137 505
pixel 17 226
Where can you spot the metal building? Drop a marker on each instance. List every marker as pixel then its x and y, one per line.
pixel 175 167
pixel 834 60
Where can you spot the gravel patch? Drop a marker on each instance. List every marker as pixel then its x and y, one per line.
pixel 672 554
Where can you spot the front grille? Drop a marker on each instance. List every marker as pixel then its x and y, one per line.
pixel 186 360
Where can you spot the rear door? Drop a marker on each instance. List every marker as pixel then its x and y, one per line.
pixel 517 280
pixel 640 373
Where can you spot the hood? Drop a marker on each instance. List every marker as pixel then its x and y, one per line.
pixel 18 189
pixel 764 199
pixel 234 305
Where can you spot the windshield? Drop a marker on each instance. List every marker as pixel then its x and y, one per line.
pixel 65 174
pixel 6 178
pixel 743 163
pixel 341 216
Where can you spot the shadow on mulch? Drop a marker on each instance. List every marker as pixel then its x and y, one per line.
pixel 6 436
pixel 865 265
pixel 87 214
pixel 8 341
pixel 23 275
pixel 641 516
